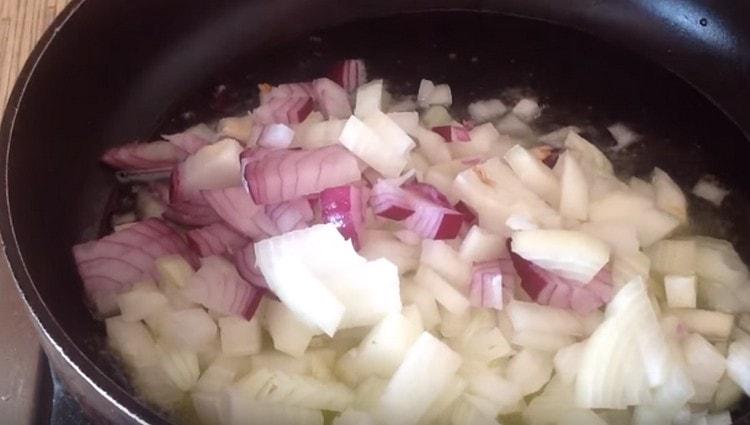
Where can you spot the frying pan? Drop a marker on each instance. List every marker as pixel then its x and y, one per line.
pixel 110 71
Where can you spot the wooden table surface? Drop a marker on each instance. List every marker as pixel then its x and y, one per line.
pixel 22 22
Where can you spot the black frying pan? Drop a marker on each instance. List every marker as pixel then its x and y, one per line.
pixel 110 71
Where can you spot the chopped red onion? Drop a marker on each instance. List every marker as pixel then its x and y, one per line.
pixel 244 259
pixel 217 286
pixel 215 239
pixel 274 136
pixel 287 91
pixel 290 215
pixel 428 191
pixel 547 154
pixel 548 288
pixel 274 176
pixel 469 215
pixel 111 265
pixel 191 213
pixel 192 139
pixel 390 201
pixel 236 207
pixel 279 110
pixel 344 207
pixel 425 210
pixel 332 99
pixel 144 156
pixel 453 133
pixel 349 74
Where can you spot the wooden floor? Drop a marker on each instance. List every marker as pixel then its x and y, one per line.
pixel 22 22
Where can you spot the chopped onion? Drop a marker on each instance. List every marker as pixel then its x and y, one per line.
pixel 534 174
pixel 244 260
pixel 236 207
pixel 191 213
pixel 416 377
pixel 217 286
pixel 111 265
pixel 215 239
pixel 571 254
pixel 144 156
pixel 527 109
pixel 332 99
pixel 378 141
pixel 545 287
pixel 349 74
pixel 192 139
pixel 669 196
pixel 489 288
pixel 274 136
pixel 623 135
pixel 238 128
pixel 283 110
pixel 370 99
pixel 425 210
pixel 487 110
pixel 290 215
pixel 286 91
pixel 453 133
pixel 430 94
pixel 709 189
pixel 283 175
pixel 344 207
pixel 214 166
pixel 625 356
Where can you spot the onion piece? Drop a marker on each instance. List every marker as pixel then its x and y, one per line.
pixel 244 260
pixel 192 139
pixel 111 265
pixel 214 166
pixel 290 215
pixel 349 74
pixel 236 207
pixel 487 110
pixel 547 288
pixel 284 175
pixel 191 213
pixel 378 141
pixel 144 156
pixel 491 286
pixel 332 99
pixel 571 254
pixel 273 136
pixel 281 110
pixel 453 133
pixel 623 135
pixel 344 207
pixel 710 189
pixel 215 239
pixel 625 356
pixel 217 286
pixel 426 210
pixel 527 109
pixel 470 217
pixel 286 91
